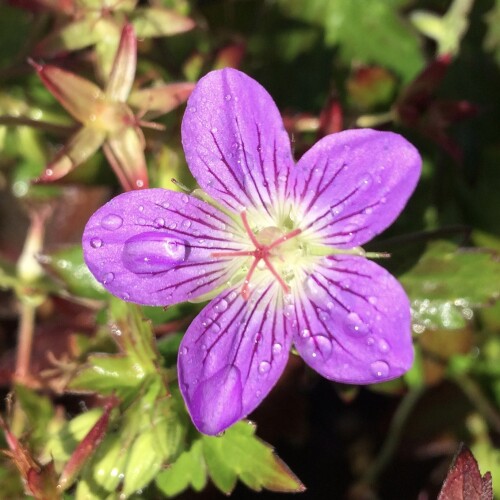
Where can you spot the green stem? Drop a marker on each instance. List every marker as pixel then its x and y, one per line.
pixel 476 396
pixel 390 445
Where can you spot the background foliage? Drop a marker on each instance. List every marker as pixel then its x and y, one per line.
pixel 89 396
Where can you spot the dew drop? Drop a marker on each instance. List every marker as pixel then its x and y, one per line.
pixel 185 198
pixel 305 333
pixel 372 300
pixel 184 351
pixel 368 210
pixel 111 222
pixel 264 367
pixel 108 278
pixel 186 223
pixel 380 369
pixel 153 252
pixel 318 345
pixel 126 296
pixel 165 204
pixel 228 97
pixel 383 346
pixel 214 130
pixel 141 209
pixel 337 209
pixel 159 222
pixel 356 324
pixel 141 221
pixel 192 109
pixel 370 341
pixel 221 306
pixel 96 243
pixel 366 182
pixel 173 225
pixel 277 348
pixel 258 337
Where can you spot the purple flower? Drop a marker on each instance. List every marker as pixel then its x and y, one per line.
pixel 274 244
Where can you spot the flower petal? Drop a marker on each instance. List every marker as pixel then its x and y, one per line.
pixel 125 153
pixel 162 99
pixel 155 247
pixel 231 356
pixel 157 21
pixel 78 149
pixel 350 186
pixel 353 321
pixel 79 96
pixel 122 74
pixel 235 142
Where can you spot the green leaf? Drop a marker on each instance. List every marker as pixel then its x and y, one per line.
pixel 492 38
pixel 68 265
pixel 189 470
pixel 238 453
pixel 448 30
pixel 347 22
pixel 448 283
pixel 61 443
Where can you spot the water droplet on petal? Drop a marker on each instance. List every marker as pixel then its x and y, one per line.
pixel 221 306
pixel 111 222
pixel 214 130
pixel 305 333
pixel 108 278
pixel 258 337
pixel 318 345
pixel 126 296
pixel 141 221
pixel 141 209
pixel 337 209
pixel 184 351
pixel 153 252
pixel 372 300
pixel 383 346
pixel 96 243
pixel 380 369
pixel 165 204
pixel 277 348
pixel 186 223
pixel 228 97
pixel 370 341
pixel 173 225
pixel 264 367
pixel 356 325
pixel 366 182
pixel 185 198
pixel 159 222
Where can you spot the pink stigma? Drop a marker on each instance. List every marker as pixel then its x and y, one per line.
pixel 261 252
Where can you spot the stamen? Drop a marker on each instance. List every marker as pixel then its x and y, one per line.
pixel 261 252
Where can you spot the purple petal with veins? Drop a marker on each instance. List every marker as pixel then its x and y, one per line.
pixel 353 321
pixel 235 142
pixel 154 246
pixel 232 355
pixel 350 186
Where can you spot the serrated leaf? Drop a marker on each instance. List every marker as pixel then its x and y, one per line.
pixel 237 454
pixel 189 470
pixel 448 283
pixel 346 23
pixel 464 481
pixel 251 459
